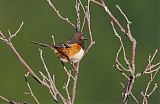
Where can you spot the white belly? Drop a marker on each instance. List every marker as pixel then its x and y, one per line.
pixel 78 56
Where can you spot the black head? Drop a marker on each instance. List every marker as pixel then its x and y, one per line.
pixel 79 38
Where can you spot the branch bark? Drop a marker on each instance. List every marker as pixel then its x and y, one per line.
pixel 150 69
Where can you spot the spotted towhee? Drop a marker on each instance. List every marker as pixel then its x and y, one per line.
pixel 71 50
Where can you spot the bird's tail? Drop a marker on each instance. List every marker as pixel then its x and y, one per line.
pixel 40 44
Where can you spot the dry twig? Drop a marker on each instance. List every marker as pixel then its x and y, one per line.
pixel 8 41
pixel 30 89
pixel 150 69
pixel 10 101
pixel 59 15
pixel 79 28
pixel 88 17
pixel 47 80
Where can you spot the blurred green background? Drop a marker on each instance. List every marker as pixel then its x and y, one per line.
pixel 99 82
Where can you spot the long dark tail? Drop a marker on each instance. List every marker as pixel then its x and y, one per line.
pixel 40 44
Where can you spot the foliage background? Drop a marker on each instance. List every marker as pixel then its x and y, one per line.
pixel 99 82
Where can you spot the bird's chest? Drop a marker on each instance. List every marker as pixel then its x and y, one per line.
pixel 74 53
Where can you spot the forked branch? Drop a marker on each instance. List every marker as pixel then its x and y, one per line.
pixel 59 15
pixel 150 69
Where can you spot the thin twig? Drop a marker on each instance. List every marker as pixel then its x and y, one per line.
pixel 131 38
pixel 30 90
pixel 134 98
pixel 74 85
pixel 147 94
pixel 151 69
pixel 53 89
pixel 150 59
pixel 9 43
pixel 131 67
pixel 66 86
pixel 102 4
pixel 76 68
pixel 131 93
pixel 96 2
pixel 83 24
pixel 66 70
pixel 13 35
pixel 89 27
pixel 77 7
pixel 10 101
pixel 3 98
pixel 47 80
pixel 154 69
pixel 84 18
pixel 59 15
pixel 53 39
pixel 124 53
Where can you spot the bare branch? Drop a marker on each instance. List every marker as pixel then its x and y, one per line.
pixel 76 68
pixel 77 7
pixel 59 15
pixel 124 53
pixel 74 84
pixel 66 70
pixel 52 88
pixel 147 94
pixel 9 43
pixel 66 87
pixel 84 21
pixel 131 67
pixel 96 2
pixel 2 37
pixel 135 98
pixel 53 39
pixel 30 90
pixel 153 72
pixel 131 38
pixel 131 93
pixel 150 59
pixel 46 78
pixel 102 4
pixel 154 88
pixel 10 101
pixel 89 27
pixel 84 18
pixel 154 69
pixel 3 98
pixel 13 35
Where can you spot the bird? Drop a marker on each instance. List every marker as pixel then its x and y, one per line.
pixel 71 50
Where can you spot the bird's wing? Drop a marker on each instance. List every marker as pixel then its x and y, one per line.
pixel 61 45
pixel 66 44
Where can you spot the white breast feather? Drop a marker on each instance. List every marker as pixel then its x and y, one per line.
pixel 78 56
